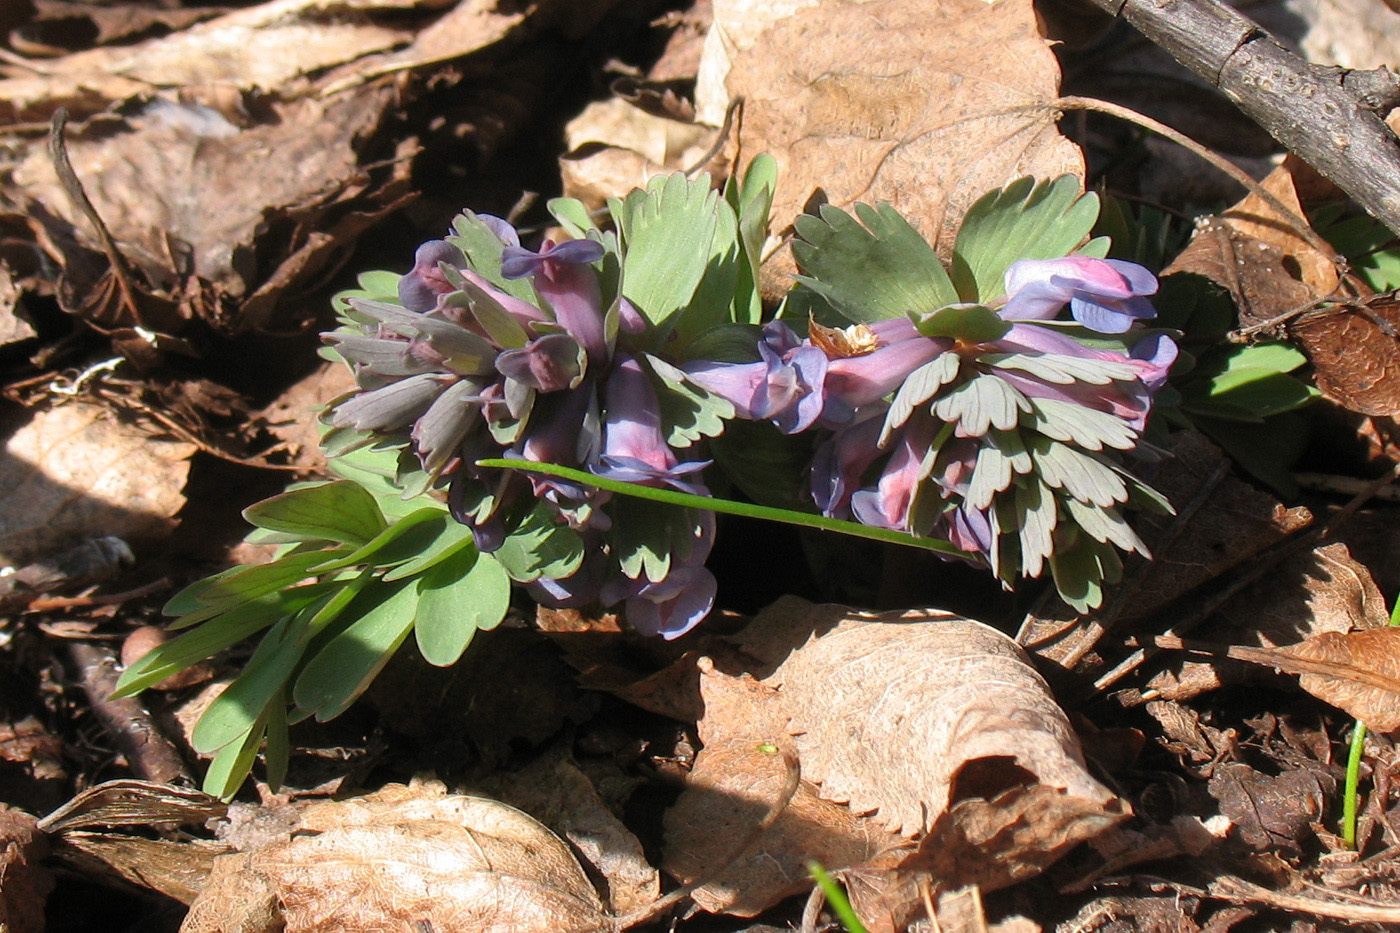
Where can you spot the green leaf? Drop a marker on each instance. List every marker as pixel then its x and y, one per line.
pixel 919 387
pixel 688 411
pixel 240 708
pixel 452 538
pixel 232 765
pixel 572 215
pixel 972 323
pixel 215 635
pixel 404 540
pixel 881 270
pixel 668 234
pixel 347 664
pixel 341 511
pixel 213 595
pixel 752 202
pixel 1024 220
pixel 483 250
pixel 458 597
pixel 279 745
pixel 770 467
pixel 540 546
pixel 1267 450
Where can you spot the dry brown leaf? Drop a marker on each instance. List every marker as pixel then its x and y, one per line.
pixel 614 146
pixel 1257 220
pixel 1271 811
pixel 939 711
pixel 739 775
pixel 24 883
pixel 556 792
pixel 404 854
pixel 1222 522
pixel 265 48
pixel 1324 590
pixel 76 472
pixel 57 23
pixel 1367 682
pixel 13 326
pixel 159 187
pixel 926 105
pixel 1355 353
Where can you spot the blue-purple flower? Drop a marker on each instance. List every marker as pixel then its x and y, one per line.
pixel 994 427
pixel 468 369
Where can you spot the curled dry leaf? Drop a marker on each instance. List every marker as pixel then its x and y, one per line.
pixel 24 883
pixel 739 776
pixel 1355 354
pixel 401 855
pixel 76 472
pixel 934 729
pixel 940 710
pixel 922 104
pixel 1308 594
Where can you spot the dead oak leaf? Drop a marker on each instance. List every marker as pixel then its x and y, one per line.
pixel 739 775
pixel 401 855
pixel 926 105
pixel 76 472
pixel 1355 351
pixel 907 718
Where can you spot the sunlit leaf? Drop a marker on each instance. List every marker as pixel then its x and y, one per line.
pixel 240 707
pixel 1024 220
pixel 458 597
pixel 341 511
pixel 668 233
pixel 483 249
pixel 336 675
pixel 881 270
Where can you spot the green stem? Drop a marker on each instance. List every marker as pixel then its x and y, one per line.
pixel 1351 789
pixel 727 506
pixel 1353 780
pixel 836 897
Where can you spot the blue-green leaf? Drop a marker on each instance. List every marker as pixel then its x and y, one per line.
pixel 881 270
pixel 458 597
pixel 483 249
pixel 342 511
pixel 346 665
pixel 668 235
pixel 232 765
pixel 540 546
pixel 1024 220
pixel 240 708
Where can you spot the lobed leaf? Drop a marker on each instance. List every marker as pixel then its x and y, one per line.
pixel 540 546
pixel 1024 220
pixel 881 270
pixel 460 595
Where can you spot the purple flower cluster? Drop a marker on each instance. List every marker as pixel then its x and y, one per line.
pixel 468 370
pixel 991 428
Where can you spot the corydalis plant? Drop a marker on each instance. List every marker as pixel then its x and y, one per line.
pixel 989 407
pixel 492 350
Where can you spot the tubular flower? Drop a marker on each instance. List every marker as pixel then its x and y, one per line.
pixel 472 363
pixel 999 430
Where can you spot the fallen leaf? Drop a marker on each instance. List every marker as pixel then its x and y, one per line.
pixel 556 792
pixel 400 855
pixel 76 472
pixel 57 23
pixel 1271 811
pixel 24 883
pixel 1313 592
pixel 1355 352
pixel 920 738
pixel 1366 679
pixel 739 776
pixel 14 326
pixel 1222 522
pixel 925 105
pixel 940 710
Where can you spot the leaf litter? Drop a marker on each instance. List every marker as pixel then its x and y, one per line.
pixel 921 757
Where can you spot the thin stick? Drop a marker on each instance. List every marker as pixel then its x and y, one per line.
pixel 1295 223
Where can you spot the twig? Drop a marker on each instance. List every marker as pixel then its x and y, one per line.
pixel 1329 117
pixel 147 751
pixel 1239 891
pixel 50 603
pixel 1297 224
